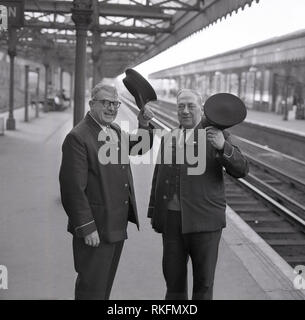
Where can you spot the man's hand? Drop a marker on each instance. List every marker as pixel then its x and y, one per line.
pixel 92 239
pixel 145 115
pixel 216 138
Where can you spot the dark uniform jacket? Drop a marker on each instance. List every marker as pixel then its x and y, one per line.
pixel 202 197
pixel 95 196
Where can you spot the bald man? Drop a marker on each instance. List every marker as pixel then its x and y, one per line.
pixel 98 198
pixel 189 210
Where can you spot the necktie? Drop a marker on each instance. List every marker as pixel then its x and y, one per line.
pixel 181 138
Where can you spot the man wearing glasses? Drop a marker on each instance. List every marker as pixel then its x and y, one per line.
pixel 98 199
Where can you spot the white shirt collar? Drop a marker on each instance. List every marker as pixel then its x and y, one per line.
pixel 101 125
pixel 110 131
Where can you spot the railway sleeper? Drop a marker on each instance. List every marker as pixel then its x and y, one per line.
pixel 242 202
pixel 287 242
pixel 260 218
pixel 284 236
pixel 251 209
pixel 295 260
pixel 280 224
pixel 273 230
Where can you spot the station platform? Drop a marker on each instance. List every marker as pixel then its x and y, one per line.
pixel 267 137
pixel 276 121
pixel 267 119
pixel 37 250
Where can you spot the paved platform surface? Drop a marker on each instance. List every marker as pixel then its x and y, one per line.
pixel 37 250
pixel 276 121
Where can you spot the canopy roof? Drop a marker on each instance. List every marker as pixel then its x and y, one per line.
pixel 123 33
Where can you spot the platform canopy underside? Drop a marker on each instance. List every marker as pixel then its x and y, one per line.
pixel 121 33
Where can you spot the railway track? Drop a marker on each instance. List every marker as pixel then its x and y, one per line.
pixel 269 200
pixel 281 228
pixel 285 189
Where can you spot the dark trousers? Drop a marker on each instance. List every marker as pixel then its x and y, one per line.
pixel 201 247
pixel 96 268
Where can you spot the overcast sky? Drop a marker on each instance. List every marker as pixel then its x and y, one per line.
pixel 263 20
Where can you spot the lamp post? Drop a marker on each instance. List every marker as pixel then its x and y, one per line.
pixel 47 52
pixel 37 93
pixel 12 41
pixel 26 94
pixel 81 15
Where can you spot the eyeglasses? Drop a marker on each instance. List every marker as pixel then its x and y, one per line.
pixel 190 106
pixel 107 103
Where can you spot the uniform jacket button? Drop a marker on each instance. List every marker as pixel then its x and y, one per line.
pixel 164 197
pixel 126 201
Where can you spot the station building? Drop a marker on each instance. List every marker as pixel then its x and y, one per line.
pixel 269 75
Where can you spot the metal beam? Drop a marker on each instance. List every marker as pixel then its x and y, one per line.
pixel 127 40
pixel 67 46
pixel 102 28
pixel 114 10
pixel 60 7
pixel 103 39
pixel 118 56
pixel 133 11
pixel 117 59
pixel 139 30
pixel 121 49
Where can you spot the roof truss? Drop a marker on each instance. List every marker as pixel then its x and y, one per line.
pixel 137 29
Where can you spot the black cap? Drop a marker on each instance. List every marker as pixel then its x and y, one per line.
pixel 224 110
pixel 139 87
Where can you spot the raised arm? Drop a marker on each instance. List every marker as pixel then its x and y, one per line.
pixel 144 136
